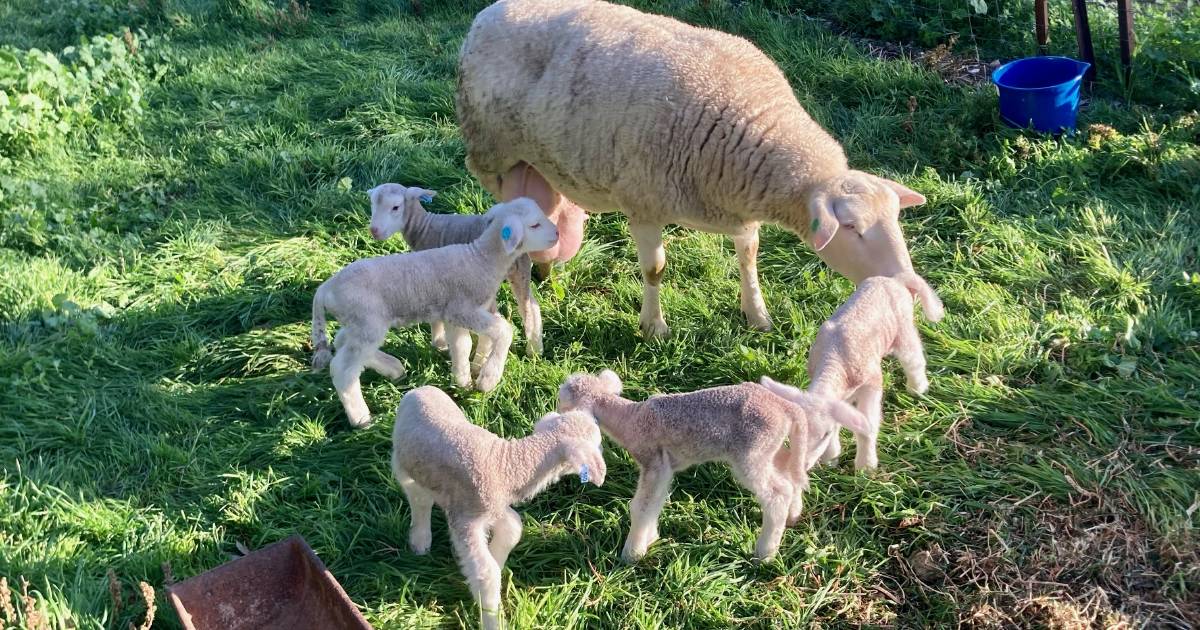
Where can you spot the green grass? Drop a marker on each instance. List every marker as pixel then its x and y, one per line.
pixel 156 408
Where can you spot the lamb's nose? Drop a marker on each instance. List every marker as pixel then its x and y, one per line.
pixel 375 233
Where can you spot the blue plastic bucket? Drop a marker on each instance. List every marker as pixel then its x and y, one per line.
pixel 1040 92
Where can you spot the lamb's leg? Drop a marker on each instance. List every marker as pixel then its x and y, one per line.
pixel 386 364
pixel 459 340
pixel 348 362
pixel 909 351
pixel 870 403
pixel 834 450
pixel 653 259
pixel 479 567
pixel 654 484
pixel 527 304
pixel 746 244
pixel 438 334
pixel 489 324
pixel 506 531
pixel 774 493
pixel 420 504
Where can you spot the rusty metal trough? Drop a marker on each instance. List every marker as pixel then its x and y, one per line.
pixel 281 586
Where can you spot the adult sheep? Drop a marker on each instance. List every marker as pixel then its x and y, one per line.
pixel 667 123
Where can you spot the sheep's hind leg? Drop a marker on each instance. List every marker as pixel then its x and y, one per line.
pixel 420 504
pixel 348 362
pixel 746 245
pixel 653 260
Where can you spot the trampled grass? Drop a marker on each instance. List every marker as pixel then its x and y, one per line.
pixel 156 407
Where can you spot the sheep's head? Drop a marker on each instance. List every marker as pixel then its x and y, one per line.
pixel 523 227
pixel 579 443
pixel 579 390
pixel 389 203
pixel 854 224
pixel 825 416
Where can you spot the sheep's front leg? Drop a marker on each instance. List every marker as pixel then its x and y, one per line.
pixel 911 354
pixel 527 304
pixel 491 325
pixel 506 532
pixel 438 334
pixel 420 504
pixel 653 259
pixel 459 340
pixel 746 244
pixel 870 403
pixel 654 484
pixel 479 567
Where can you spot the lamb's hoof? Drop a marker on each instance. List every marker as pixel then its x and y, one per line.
pixel 360 422
pixel 419 542
pixel 763 556
pixel 533 347
pixel 440 344
pixel 919 387
pixel 487 381
pixel 632 557
pixel 867 466
pixel 656 329
pixel 463 381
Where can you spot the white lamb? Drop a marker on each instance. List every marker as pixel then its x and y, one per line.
pixel 845 360
pixel 439 457
pixel 668 123
pixel 396 208
pixel 456 284
pixel 743 425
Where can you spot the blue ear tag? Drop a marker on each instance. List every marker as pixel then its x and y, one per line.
pixel 506 233
pixel 425 199
pixel 583 474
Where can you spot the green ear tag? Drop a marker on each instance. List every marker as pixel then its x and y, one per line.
pixel 816 223
pixel 506 233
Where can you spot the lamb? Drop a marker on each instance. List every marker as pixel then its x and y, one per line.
pixel 743 425
pixel 668 123
pixel 456 284
pixel 844 361
pixel 439 457
pixel 396 208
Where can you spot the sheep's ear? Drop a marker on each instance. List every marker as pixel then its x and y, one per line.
pixel 849 417
pixel 930 303
pixel 779 389
pixel 822 222
pixel 908 197
pixel 612 382
pixel 512 233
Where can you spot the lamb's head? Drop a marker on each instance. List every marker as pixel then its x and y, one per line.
pixel 579 391
pixel 825 416
pixel 854 224
pixel 578 437
pixel 389 203
pixel 523 226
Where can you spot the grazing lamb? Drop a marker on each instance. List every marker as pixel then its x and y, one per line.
pixel 743 425
pixel 668 123
pixel 396 208
pixel 456 284
pixel 439 457
pixel 844 361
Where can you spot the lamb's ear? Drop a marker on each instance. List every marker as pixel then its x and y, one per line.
pixel 374 191
pixel 512 233
pixel 779 389
pixel 849 417
pixel 612 382
pixel 908 197
pixel 822 222
pixel 930 303
pixel 593 457
pixel 546 422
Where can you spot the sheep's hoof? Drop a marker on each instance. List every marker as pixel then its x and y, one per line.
pixel 656 329
pixel 759 321
pixel 439 343
pixel 419 542
pixel 918 387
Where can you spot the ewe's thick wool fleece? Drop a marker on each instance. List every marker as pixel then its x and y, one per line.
pixel 668 122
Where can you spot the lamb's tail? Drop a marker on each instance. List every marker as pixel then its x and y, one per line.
pixel 321 353
pixel 921 289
